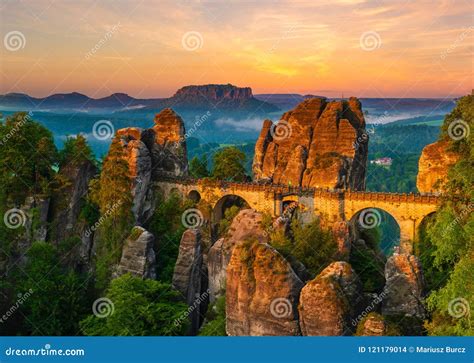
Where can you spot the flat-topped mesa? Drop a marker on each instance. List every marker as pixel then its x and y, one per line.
pixel 317 144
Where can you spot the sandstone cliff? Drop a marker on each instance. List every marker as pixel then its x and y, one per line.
pixel 247 224
pixel 262 292
pixel 330 301
pixel 152 154
pixel 404 286
pixel 433 166
pixel 317 144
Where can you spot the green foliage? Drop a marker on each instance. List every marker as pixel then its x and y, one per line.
pixel 75 151
pixel 216 319
pixel 198 167
pixel 140 308
pixel 27 155
pixel 229 164
pixel 448 238
pixel 58 298
pixel 167 226
pixel 225 222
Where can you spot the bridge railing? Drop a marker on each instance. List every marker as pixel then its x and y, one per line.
pixel 299 190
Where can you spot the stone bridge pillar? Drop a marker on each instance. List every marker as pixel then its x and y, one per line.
pixel 278 202
pixel 407 234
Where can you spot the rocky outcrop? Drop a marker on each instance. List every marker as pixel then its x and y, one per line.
pixel 138 255
pixel 404 286
pixel 317 144
pixel 246 225
pixel 330 301
pixel 214 92
pixel 190 276
pixel 373 325
pixel 262 292
pixel 433 166
pixel 153 154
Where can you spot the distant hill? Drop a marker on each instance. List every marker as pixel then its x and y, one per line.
pixel 210 97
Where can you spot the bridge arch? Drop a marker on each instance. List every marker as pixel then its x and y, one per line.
pixel 367 219
pixel 194 195
pixel 224 203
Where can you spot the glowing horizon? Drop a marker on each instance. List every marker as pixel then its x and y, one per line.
pixel 151 49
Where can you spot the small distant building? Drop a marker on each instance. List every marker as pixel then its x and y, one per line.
pixel 382 161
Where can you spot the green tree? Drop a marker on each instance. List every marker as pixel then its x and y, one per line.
pixel 198 167
pixel 58 297
pixel 138 308
pixel 75 150
pixel 216 319
pixel 229 164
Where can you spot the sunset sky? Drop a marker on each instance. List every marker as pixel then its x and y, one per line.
pixel 151 48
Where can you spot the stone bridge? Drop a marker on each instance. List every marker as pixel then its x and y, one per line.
pixel 332 206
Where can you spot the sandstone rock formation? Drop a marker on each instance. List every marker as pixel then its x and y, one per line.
pixel 317 144
pixel 138 255
pixel 190 276
pixel 330 301
pixel 153 154
pixel 262 292
pixel 373 325
pixel 404 286
pixel 433 166
pixel 246 225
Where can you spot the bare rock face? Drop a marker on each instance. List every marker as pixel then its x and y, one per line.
pixel 373 325
pixel 138 255
pixel 153 154
pixel 433 166
pixel 317 144
pixel 330 301
pixel 404 286
pixel 246 225
pixel 262 292
pixel 190 276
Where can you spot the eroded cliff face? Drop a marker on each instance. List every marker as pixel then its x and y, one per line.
pixel 330 301
pixel 246 225
pixel 433 166
pixel 317 144
pixel 152 154
pixel 262 292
